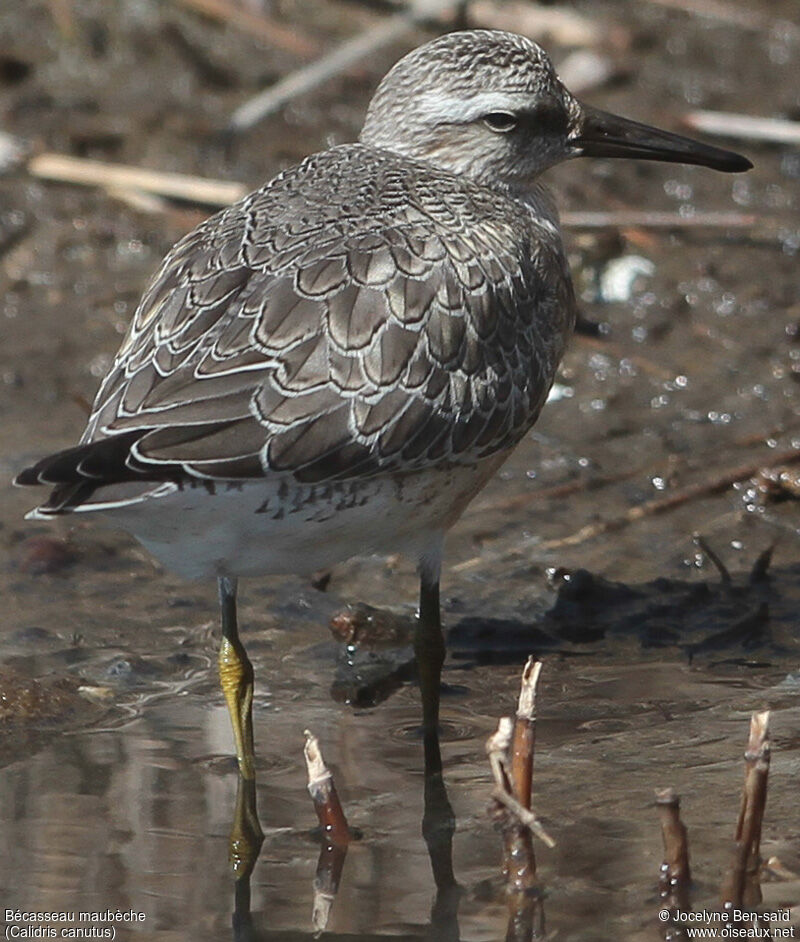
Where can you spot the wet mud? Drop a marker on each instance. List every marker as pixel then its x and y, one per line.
pixel 661 628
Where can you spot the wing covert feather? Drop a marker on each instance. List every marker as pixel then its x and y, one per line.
pixel 341 339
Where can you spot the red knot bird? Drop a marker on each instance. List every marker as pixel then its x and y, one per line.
pixel 338 363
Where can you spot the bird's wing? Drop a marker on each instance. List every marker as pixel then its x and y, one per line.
pixel 299 345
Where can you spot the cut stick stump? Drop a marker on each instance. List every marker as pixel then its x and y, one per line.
pixel 675 872
pixel 510 750
pixel 523 742
pixel 741 886
pixel 323 794
pixel 335 833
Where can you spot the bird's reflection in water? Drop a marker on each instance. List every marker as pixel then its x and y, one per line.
pixel 244 847
pixel 438 827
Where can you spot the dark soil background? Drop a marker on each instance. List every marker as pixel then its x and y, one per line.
pixel 116 784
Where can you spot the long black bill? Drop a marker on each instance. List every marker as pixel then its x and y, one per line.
pixel 607 135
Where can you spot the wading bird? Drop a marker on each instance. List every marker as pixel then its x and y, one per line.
pixel 339 362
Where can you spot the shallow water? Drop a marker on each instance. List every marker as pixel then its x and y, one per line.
pixel 138 815
pixel 652 661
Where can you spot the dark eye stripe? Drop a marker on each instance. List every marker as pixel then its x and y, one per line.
pixel 547 116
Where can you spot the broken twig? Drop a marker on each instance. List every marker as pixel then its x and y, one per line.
pixel 744 126
pixel 651 508
pixel 65 169
pixel 258 25
pixel 335 833
pixel 323 794
pixel 335 62
pixel 639 219
pixel 523 742
pixel 675 873
pixel 545 24
pixel 718 10
pixel 510 752
pixel 741 886
pixel 703 545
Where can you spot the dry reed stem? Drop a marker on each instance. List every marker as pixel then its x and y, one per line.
pixel 717 10
pixel 644 219
pixel 675 871
pixel 326 884
pixel 525 817
pixel 563 27
pixel 335 833
pixel 744 126
pixel 741 886
pixel 337 61
pixel 323 794
pixel 65 169
pixel 511 751
pixel 523 741
pixel 258 25
pixel 707 488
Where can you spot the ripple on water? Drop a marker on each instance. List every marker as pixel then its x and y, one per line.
pixel 449 731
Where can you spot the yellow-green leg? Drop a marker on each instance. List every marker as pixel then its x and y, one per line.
pixel 236 679
pixel 246 837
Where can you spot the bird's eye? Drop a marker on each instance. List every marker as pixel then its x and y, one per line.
pixel 500 121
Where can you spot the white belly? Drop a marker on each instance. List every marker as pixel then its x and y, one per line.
pixel 280 526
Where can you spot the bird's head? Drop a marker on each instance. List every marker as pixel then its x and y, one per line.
pixel 489 104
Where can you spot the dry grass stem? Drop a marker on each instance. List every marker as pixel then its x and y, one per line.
pixel 703 545
pixel 718 10
pixel 707 488
pixel 744 126
pixel 497 746
pixel 642 219
pixel 545 24
pixel 336 62
pixel 508 751
pixel 139 200
pixel 114 177
pixel 255 24
pixel 526 818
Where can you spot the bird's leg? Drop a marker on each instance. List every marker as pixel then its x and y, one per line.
pixel 438 820
pixel 236 679
pixel 430 652
pixel 246 837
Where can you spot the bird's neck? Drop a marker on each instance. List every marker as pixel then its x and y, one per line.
pixel 536 198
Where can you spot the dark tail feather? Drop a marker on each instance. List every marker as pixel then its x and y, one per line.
pixel 76 473
pixel 64 499
pixel 100 461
